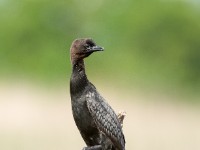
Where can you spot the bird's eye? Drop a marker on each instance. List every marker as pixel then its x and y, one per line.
pixel 87 46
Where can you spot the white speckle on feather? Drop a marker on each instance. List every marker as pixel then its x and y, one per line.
pixel 89 95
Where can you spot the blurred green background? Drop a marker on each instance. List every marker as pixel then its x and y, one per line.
pixel 152 49
pixel 146 42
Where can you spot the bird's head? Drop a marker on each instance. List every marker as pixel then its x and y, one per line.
pixel 82 48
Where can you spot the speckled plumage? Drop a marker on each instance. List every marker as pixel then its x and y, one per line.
pixel 95 119
pixel 105 118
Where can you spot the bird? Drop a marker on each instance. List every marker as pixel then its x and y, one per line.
pixel 97 122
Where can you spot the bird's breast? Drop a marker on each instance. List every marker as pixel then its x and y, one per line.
pixel 81 114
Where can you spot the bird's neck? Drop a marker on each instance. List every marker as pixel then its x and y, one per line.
pixel 78 66
pixel 79 79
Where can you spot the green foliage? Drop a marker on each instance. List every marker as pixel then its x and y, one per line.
pixel 146 42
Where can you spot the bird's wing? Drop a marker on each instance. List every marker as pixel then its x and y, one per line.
pixel 106 119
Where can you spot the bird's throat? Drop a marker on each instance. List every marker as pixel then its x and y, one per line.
pixel 78 80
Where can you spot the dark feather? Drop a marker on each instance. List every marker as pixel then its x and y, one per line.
pixel 105 119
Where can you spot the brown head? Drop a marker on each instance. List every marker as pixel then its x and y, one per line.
pixel 82 48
